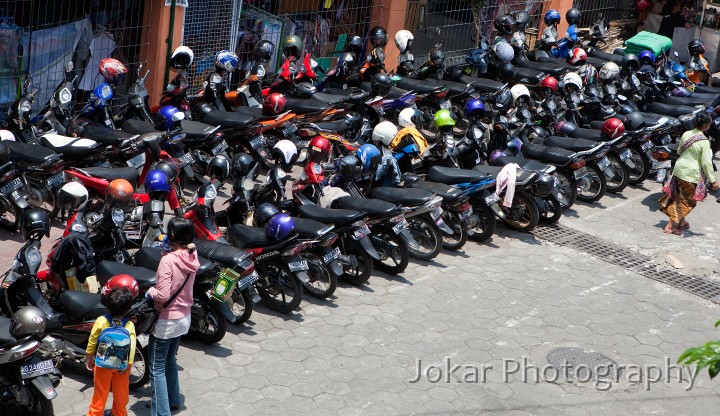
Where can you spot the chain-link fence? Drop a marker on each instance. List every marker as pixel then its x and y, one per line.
pixel 38 38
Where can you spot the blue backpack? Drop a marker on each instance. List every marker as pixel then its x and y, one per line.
pixel 113 346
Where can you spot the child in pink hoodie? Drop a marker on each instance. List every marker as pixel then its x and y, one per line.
pixel 175 274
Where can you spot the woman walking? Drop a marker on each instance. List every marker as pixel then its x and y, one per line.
pixel 693 170
pixel 173 296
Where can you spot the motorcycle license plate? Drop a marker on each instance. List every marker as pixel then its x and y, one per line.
pixel 665 164
pixel 219 148
pixel 186 159
pixel 11 186
pixel 361 232
pixel 298 266
pixel 445 105
pixel 556 181
pixel 138 160
pixel 466 214
pixel 329 257
pixel 37 369
pixel 603 163
pixel 436 212
pixel 625 155
pixel 580 172
pixel 492 199
pixel 647 145
pixel 56 180
pixel 397 228
pixel 289 130
pixel 252 278
pixel 257 142
pixel 303 143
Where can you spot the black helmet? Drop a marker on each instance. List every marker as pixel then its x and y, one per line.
pixel 202 109
pixel 263 213
pixel 573 16
pixel 34 224
pixel 505 24
pixel 218 168
pixel 263 51
pixel 696 47
pixel 381 84
pixel 241 165
pixel 522 18
pixel 437 57
pixel 455 72
pixel 630 60
pixel 634 121
pixel 293 46
pixel 170 167
pixel 503 101
pixel 354 46
pixel 378 36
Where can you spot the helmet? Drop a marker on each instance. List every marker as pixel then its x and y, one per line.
pixel 381 84
pixel 34 223
pixel 156 181
pixel 119 190
pixel 571 79
pixel 522 18
pixel 319 149
pixel 495 154
pixel 503 101
pixel 112 70
pixel 169 117
pixel 355 45
pixel 72 197
pixel 535 132
pixel 181 58
pixel 696 47
pixel 678 70
pixel 443 118
pixel 630 62
pixel 437 57
pixel 285 152
pixel 279 227
pixel 293 46
pixel 264 213
pixel 634 121
pixel 565 127
pixel 518 91
pixel 408 117
pixel 274 104
pixel 170 167
pixel 226 61
pixel 613 128
pixel 118 282
pixel 403 40
pixel 7 135
pixel 28 320
pixel 514 145
pixel 504 24
pixel 646 57
pixel 474 108
pixel 504 52
pixel 680 92
pixel 377 36
pixel 549 82
pixel 573 16
pixel 369 155
pixel 385 132
pixel 577 56
pixel 241 165
pixel 218 167
pixel 609 71
pixel 263 51
pixel 552 17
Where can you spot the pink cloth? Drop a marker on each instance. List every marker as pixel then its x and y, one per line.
pixel 174 267
pixel 506 181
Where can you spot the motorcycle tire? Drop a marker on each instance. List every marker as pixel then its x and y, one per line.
pixel 242 305
pixel 486 223
pixel 457 240
pixel 323 282
pixel 428 236
pixel 568 187
pixel 523 215
pixel 9 215
pixel 213 317
pixel 360 274
pixel 642 163
pixel 597 187
pixel 620 181
pixel 279 289
pixel 392 249
pixel 552 212
pixel 140 368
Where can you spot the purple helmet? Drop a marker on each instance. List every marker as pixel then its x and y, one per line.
pixel 279 227
pixel 474 108
pixel 156 181
pixel 565 127
pixel 495 154
pixel 168 117
pixel 680 92
pixel 646 57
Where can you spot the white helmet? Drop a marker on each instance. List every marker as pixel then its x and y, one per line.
pixel 571 78
pixel 72 197
pixel 407 117
pixel 504 52
pixel 403 40
pixel 285 152
pixel 609 71
pixel 384 133
pixel 182 57
pixel 7 135
pixel 519 90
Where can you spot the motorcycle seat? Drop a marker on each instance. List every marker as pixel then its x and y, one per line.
pixel 527 164
pixel 454 87
pixel 653 118
pixel 138 127
pixel 149 258
pixel 110 174
pixel 549 68
pixel 328 98
pixel 596 62
pixel 339 91
pixel 373 207
pixel 81 305
pixel 607 57
pixel 307 228
pixel 482 85
pixel 590 134
pixel 250 111
pixel 448 193
pixel 670 110
pixel 704 89
pixel 305 105
pixel 692 100
pixel 338 126
pixel 195 130
pixel 418 85
pixel 453 176
pixel 330 216
pixel 227 119
pixel 552 155
pixel 30 153
pixel 247 237
pixel 557 62
pixel 520 178
pixel 222 253
pixel 402 196
pixel 106 136
pixel 107 269
pixel 526 76
pixel 68 146
pixel 6 337
pixel 570 143
pixel 395 93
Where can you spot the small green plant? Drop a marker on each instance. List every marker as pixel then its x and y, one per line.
pixel 707 355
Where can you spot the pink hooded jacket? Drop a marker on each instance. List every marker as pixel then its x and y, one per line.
pixel 174 267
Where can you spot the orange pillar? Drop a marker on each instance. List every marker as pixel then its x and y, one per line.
pixel 156 20
pixel 561 6
pixel 390 14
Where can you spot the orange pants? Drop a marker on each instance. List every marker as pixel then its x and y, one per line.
pixel 105 380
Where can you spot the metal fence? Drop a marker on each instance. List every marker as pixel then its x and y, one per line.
pixel 37 39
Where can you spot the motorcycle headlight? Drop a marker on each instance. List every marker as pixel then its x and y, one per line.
pixel 118 217
pixel 106 92
pixel 65 96
pixel 33 258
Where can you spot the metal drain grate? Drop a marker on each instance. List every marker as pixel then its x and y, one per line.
pixel 629 259
pixel 580 364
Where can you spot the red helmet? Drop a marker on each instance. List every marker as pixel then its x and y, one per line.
pixel 319 149
pixel 274 104
pixel 112 69
pixel 613 128
pixel 550 82
pixel 120 281
pixel 577 56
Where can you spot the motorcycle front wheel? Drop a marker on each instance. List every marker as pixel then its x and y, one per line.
pixel 428 236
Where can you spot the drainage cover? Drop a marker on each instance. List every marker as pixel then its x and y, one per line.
pixel 583 365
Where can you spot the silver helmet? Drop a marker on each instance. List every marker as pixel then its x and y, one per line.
pixel 28 320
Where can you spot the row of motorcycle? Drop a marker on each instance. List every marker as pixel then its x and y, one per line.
pixel 391 166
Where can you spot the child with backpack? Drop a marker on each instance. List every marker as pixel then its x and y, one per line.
pixel 111 347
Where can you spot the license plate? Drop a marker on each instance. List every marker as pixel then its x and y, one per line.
pixel 445 105
pixel 436 212
pixel 137 161
pixel 219 148
pixel 252 278
pixel 666 139
pixel 361 232
pixel 56 180
pixel 466 214
pixel 289 130
pixel 11 186
pixel 186 159
pixel 580 172
pixel 603 163
pixel 257 142
pixel 647 145
pixel 556 181
pixel 397 228
pixel 303 143
pixel 625 155
pixel 37 369
pixel 298 266
pixel 492 199
pixel 665 164
pixel 329 257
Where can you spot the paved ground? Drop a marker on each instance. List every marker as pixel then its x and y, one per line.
pixel 515 298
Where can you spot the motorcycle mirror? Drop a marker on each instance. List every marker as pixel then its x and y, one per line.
pixel 248 184
pixel 69 66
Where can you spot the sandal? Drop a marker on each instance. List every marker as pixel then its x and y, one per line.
pixel 676 231
pixel 684 227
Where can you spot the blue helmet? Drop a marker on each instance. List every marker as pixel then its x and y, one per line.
pixel 552 17
pixel 474 107
pixel 646 57
pixel 226 61
pixel 678 70
pixel 279 227
pixel 168 117
pixel 156 181
pixel 369 155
